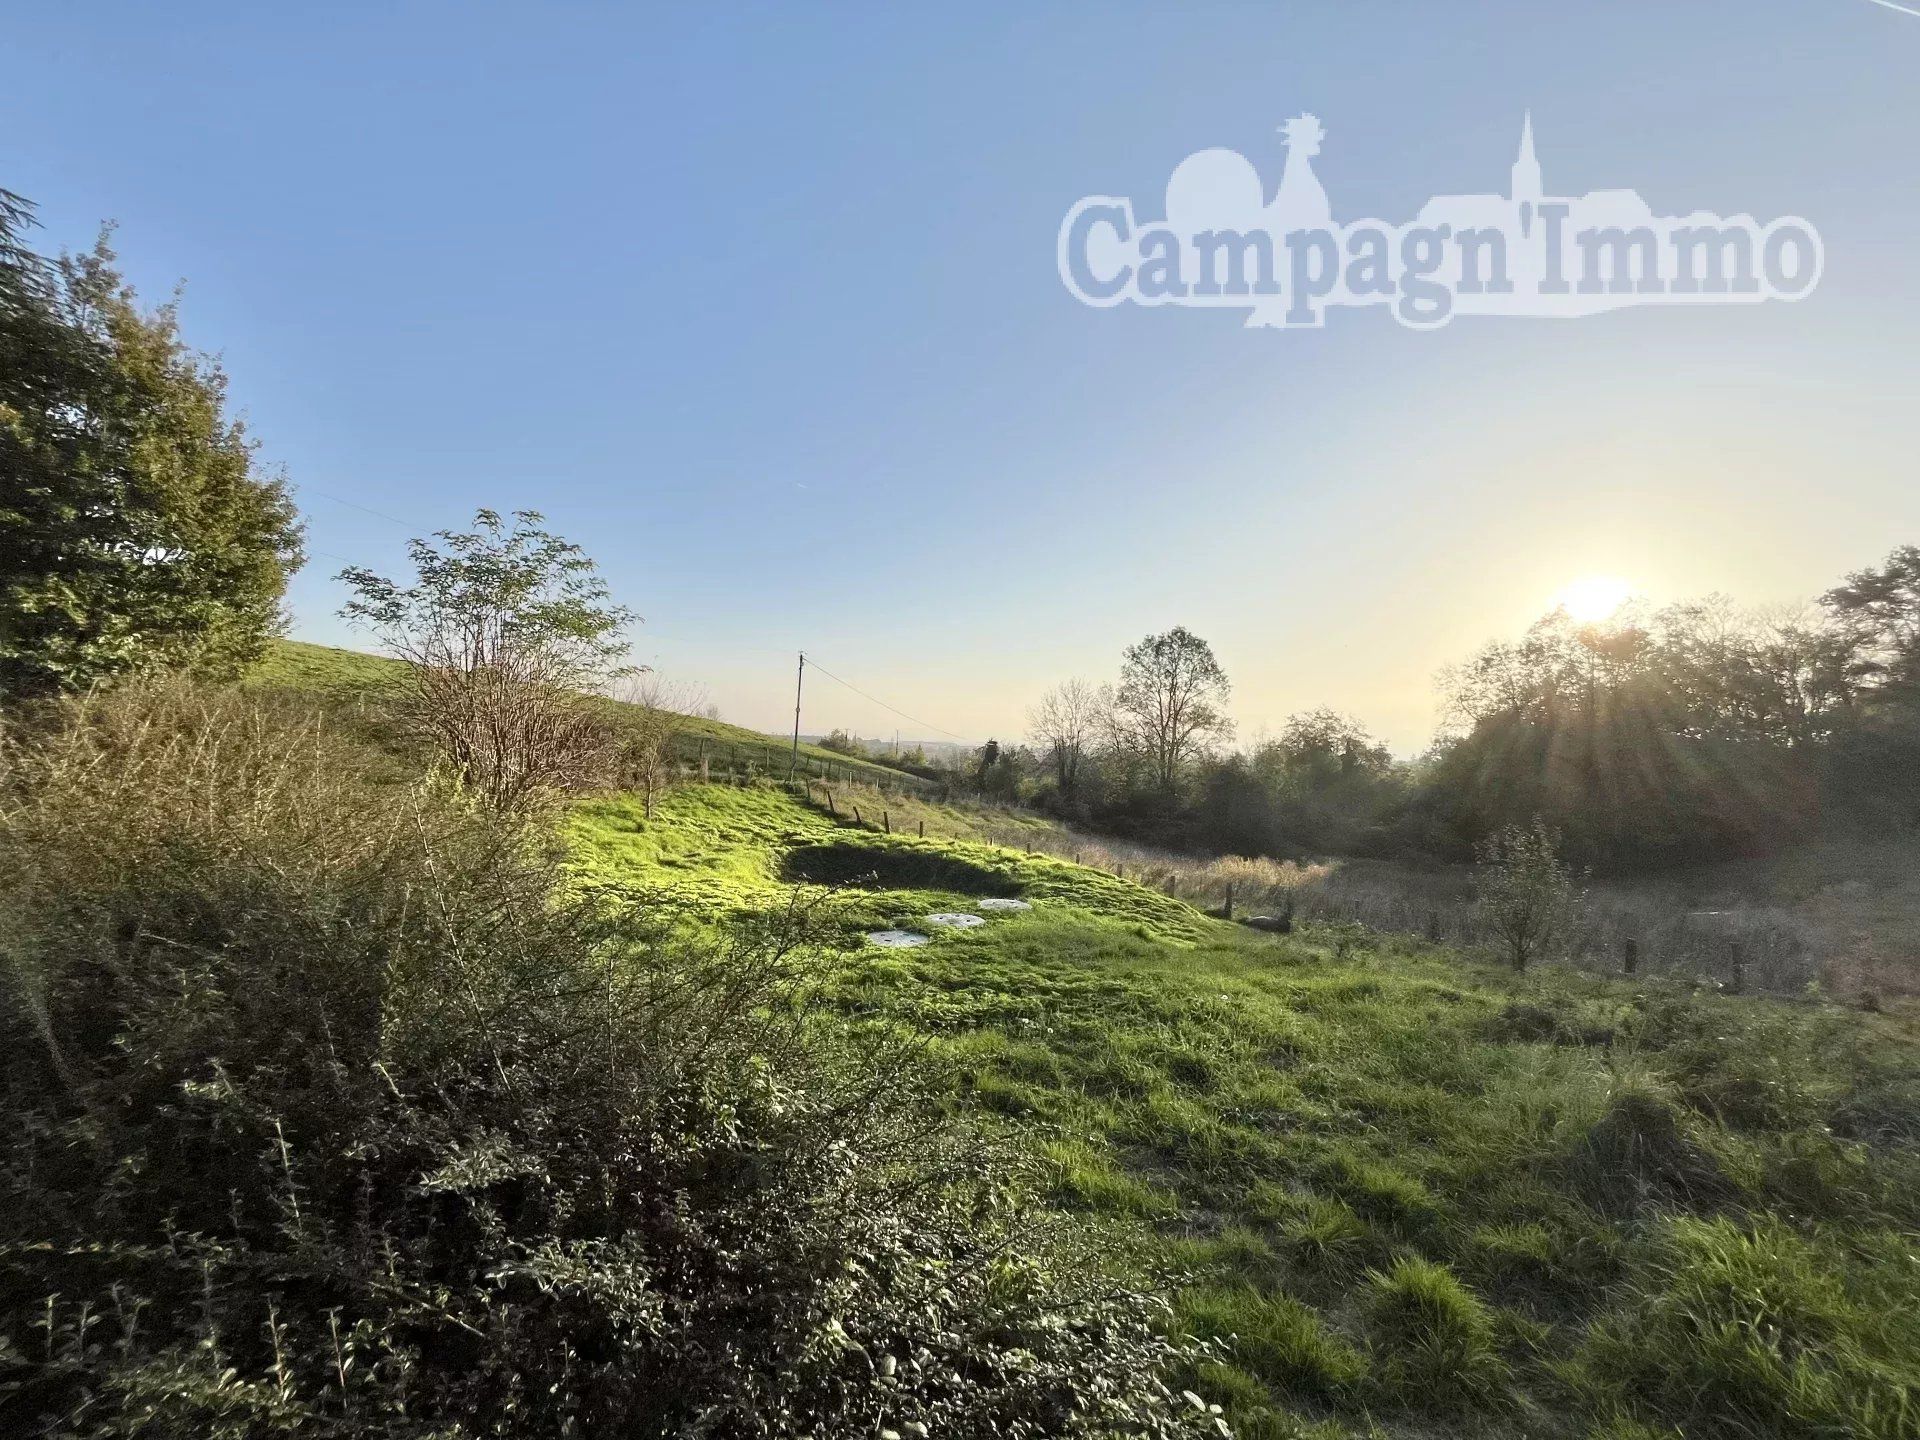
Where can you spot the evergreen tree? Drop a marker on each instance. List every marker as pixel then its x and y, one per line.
pixel 139 532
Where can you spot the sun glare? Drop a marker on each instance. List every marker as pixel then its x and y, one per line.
pixel 1593 598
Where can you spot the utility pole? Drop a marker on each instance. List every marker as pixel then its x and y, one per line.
pixel 799 677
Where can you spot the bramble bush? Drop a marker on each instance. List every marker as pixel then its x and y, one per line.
pixel 332 1110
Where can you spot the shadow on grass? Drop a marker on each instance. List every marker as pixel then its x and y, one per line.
pixel 896 867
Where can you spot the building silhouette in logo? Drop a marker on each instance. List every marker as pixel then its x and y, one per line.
pixel 1284 261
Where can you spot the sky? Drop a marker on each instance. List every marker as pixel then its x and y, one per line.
pixel 759 304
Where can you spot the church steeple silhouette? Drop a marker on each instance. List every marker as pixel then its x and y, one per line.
pixel 1527 185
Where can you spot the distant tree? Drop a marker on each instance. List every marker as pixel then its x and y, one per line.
pixel 710 712
pixel 1322 749
pixel 1525 894
pixel 1875 765
pixel 843 743
pixel 1880 608
pixel 139 530
pixel 1642 741
pixel 1067 723
pixel 504 631
pixel 1168 704
pixel 985 759
pixel 655 714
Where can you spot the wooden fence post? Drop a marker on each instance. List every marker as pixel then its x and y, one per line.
pixel 887 821
pixel 1229 904
pixel 832 809
pixel 856 816
pixel 923 829
pixel 1629 956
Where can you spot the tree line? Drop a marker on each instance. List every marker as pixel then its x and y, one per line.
pixel 1691 733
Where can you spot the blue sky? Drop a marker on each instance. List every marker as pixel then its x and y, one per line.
pixel 760 305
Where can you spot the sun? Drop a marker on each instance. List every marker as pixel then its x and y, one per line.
pixel 1593 598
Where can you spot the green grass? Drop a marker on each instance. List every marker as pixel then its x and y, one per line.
pixel 733 849
pixel 351 681
pixel 1410 1194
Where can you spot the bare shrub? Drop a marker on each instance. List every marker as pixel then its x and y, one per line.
pixel 655 712
pixel 1066 724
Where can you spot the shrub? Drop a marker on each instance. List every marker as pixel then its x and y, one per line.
pixel 1326 1234
pixel 1376 1190
pixel 1433 1338
pixel 1642 1151
pixel 1525 894
pixel 1738 1331
pixel 329 1110
pixel 1277 1338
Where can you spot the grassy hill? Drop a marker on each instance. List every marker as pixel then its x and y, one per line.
pixel 351 679
pixel 1411 1194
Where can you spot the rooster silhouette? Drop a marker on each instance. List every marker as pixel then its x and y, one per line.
pixel 1301 203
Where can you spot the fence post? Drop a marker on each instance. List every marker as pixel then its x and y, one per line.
pixel 923 829
pixel 856 816
pixel 832 809
pixel 1433 927
pixel 1629 956
pixel 1229 904
pixel 1739 958
pixel 887 821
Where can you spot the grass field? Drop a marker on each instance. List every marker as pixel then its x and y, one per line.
pixel 1412 1195
pixel 349 680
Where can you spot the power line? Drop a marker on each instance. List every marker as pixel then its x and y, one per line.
pixel 356 505
pixel 816 665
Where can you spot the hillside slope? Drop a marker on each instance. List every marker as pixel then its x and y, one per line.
pixel 351 678
pixel 1412 1195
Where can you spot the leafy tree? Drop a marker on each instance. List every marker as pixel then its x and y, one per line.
pixel 840 742
pixel 988 756
pixel 1525 893
pixel 140 532
pixel 1168 705
pixel 1875 765
pixel 1664 740
pixel 1881 608
pixel 504 631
